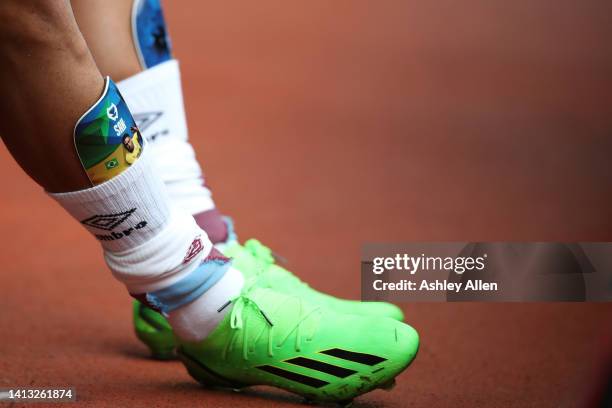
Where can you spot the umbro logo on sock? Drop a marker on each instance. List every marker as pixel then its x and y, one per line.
pixel 109 222
pixel 146 119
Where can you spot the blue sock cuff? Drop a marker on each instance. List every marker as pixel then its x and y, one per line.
pixel 190 287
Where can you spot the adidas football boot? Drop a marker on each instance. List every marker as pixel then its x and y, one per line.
pixel 270 338
pixel 255 261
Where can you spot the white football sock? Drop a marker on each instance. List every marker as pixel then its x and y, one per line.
pixel 197 319
pixel 156 100
pixel 156 250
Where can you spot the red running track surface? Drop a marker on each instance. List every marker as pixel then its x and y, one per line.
pixel 323 125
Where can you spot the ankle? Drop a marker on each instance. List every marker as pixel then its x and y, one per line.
pixel 196 320
pixel 213 223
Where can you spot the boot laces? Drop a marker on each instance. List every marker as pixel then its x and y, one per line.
pixel 240 327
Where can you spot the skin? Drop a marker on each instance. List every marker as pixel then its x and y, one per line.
pixel 114 54
pixel 32 102
pixel 40 107
pixel 49 79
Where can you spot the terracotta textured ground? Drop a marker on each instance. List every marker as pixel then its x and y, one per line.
pixel 323 125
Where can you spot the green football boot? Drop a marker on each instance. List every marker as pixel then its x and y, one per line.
pixel 270 338
pixel 154 330
pixel 254 260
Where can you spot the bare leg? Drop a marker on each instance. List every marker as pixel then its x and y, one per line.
pixel 55 102
pixel 116 56
pixel 49 79
pixel 107 28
